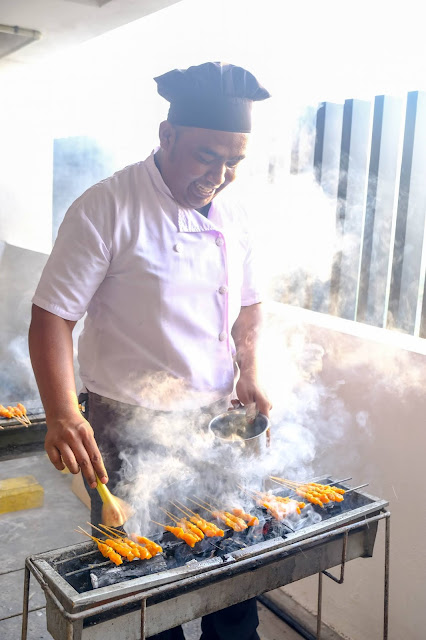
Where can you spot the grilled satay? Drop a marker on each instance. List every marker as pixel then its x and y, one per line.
pixel 189 538
pixel 152 547
pixel 314 492
pixel 129 548
pixel 145 550
pixel 279 509
pixel 5 413
pixel 223 516
pixel 247 517
pixel 106 550
pixel 192 528
pixel 232 524
pixel 208 528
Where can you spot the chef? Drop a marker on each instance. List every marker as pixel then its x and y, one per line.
pixel 162 265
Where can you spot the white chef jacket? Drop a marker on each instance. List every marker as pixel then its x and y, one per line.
pixel 161 285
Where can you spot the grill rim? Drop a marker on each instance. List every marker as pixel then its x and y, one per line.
pixel 74 601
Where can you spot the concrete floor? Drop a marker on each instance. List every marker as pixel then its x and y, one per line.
pixel 23 533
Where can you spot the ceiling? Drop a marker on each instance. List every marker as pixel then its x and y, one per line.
pixel 62 24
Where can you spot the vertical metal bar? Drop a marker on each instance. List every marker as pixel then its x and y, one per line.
pixel 319 607
pixel 319 141
pixel 386 589
pixel 422 331
pixel 407 276
pixel 341 202
pixel 303 143
pixel 377 237
pixel 143 618
pixel 350 211
pixel 343 562
pixel 27 576
pixel 326 171
pixel 70 631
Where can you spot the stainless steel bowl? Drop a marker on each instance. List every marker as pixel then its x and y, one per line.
pixel 233 429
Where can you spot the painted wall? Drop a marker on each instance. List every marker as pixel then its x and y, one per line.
pixel 379 384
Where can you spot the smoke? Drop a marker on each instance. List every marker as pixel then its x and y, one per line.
pixel 171 458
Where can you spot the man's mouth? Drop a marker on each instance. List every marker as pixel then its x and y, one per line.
pixel 202 191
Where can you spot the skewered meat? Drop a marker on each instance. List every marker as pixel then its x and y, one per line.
pixel 247 517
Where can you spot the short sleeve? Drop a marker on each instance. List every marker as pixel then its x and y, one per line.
pixel 80 257
pixel 251 290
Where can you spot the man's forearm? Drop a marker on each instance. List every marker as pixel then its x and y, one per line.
pixel 51 351
pixel 69 440
pixel 246 332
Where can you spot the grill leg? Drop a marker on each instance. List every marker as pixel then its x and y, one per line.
pixel 143 618
pixel 70 631
pixel 319 608
pixel 386 590
pixel 27 576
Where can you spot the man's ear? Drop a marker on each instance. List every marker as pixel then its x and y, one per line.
pixel 167 134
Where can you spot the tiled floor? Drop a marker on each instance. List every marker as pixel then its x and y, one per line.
pixel 24 533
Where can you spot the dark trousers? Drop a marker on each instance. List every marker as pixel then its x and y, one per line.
pixel 108 419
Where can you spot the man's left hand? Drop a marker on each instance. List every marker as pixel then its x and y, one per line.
pixel 249 391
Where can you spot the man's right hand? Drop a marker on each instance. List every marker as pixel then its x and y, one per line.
pixel 71 443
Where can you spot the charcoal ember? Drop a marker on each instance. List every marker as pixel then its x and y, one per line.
pixel 112 575
pixel 231 544
pixel 184 553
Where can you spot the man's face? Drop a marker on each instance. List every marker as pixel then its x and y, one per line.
pixel 197 164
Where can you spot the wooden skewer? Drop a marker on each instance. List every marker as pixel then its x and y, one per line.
pixel 197 515
pixel 200 505
pixel 159 523
pixel 23 411
pixel 207 503
pixel 170 515
pixel 87 534
pixel 185 513
pixel 109 531
pixel 97 528
pixel 211 497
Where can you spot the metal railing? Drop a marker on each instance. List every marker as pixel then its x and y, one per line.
pixel 370 159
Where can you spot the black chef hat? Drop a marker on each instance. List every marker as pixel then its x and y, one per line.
pixel 212 95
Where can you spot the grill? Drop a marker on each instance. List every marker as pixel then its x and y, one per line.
pixel 87 599
pixel 16 439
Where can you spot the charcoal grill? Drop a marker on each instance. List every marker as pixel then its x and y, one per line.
pixel 16 439
pixel 134 608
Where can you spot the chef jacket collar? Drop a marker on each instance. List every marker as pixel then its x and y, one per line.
pixel 186 220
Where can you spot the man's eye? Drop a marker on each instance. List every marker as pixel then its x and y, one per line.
pixel 205 159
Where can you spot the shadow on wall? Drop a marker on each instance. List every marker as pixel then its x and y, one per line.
pixel 20 271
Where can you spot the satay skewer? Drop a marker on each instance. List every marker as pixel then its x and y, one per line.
pixel 140 551
pixel 240 522
pixel 106 550
pixel 208 528
pixel 220 515
pixel 24 412
pixel 189 538
pixel 11 413
pixel 185 524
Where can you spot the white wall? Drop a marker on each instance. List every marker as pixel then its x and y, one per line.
pixel 383 442
pixel 26 163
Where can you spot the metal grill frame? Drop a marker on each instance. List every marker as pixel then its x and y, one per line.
pixel 212 585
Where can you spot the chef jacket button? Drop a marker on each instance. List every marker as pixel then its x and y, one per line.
pixel 223 289
pixel 222 336
pixel 219 241
pixel 178 247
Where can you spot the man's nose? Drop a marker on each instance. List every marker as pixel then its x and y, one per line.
pixel 216 175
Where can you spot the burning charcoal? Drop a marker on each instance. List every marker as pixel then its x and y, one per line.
pixel 111 575
pixel 184 553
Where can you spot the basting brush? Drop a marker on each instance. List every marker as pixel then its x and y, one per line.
pixel 115 512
